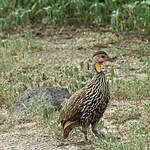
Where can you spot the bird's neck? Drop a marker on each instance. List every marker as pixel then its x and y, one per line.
pixel 99 75
pixel 98 82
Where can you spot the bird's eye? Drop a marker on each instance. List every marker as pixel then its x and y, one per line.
pixel 103 56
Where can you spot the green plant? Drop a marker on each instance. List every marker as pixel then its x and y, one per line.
pixel 119 15
pixel 31 62
pixel 134 16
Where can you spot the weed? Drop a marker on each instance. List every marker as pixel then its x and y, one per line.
pixel 122 15
pixel 22 66
pixel 147 107
pixel 131 89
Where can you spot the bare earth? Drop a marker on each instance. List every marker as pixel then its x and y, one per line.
pixel 29 137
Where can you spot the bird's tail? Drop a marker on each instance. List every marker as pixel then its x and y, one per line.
pixel 68 127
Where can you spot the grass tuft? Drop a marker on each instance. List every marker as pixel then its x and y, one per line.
pixel 119 15
pixel 31 62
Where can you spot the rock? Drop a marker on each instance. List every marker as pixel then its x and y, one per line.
pixel 35 98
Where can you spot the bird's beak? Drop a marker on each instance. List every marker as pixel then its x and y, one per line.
pixel 111 59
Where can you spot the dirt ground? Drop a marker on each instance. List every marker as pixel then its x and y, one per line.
pixel 29 136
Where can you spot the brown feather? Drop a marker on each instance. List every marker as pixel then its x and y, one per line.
pixel 87 105
pixel 71 110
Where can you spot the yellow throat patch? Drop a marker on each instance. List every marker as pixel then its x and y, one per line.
pixel 98 67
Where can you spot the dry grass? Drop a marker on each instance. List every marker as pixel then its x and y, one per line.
pixel 63 58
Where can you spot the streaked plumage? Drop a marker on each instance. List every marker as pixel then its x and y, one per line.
pixel 87 105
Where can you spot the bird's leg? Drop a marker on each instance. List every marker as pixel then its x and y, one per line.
pixel 96 133
pixel 84 130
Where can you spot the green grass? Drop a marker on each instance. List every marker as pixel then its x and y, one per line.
pixel 118 15
pixel 32 61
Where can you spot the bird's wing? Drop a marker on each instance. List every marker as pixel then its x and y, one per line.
pixel 72 109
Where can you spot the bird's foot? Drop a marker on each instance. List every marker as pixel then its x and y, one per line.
pixel 100 136
pixel 86 141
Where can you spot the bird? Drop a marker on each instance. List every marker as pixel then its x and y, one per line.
pixel 87 105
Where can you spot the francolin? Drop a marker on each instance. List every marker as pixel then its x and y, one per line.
pixel 86 106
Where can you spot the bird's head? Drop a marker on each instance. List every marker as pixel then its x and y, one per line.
pixel 100 57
